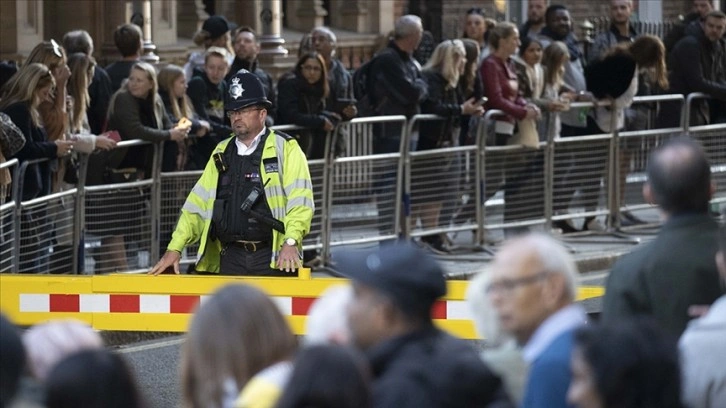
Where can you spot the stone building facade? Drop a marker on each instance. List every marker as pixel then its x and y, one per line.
pixel 361 24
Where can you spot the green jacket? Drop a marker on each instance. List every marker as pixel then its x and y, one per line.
pixel 289 194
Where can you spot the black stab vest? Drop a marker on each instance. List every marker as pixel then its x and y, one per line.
pixel 234 186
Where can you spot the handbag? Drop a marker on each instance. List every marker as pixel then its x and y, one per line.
pixel 526 135
pixel 11 138
pixel 115 176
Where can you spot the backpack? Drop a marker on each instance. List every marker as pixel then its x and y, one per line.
pixel 361 80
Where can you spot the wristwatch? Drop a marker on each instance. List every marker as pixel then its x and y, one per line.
pixel 290 241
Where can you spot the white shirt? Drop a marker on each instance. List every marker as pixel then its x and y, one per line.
pixel 561 321
pixel 243 149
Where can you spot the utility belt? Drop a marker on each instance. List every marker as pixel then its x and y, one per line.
pixel 250 246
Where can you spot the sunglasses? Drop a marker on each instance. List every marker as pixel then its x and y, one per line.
pixel 56 48
pixel 475 10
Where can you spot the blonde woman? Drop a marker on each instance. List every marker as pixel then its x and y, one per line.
pixel 442 74
pixel 555 94
pixel 82 69
pixel 21 97
pixel 173 92
pixel 136 112
pixel 53 112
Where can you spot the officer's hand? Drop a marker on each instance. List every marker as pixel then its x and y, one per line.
pixel 170 258
pixel 289 259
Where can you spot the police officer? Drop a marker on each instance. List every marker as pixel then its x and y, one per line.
pixel 253 204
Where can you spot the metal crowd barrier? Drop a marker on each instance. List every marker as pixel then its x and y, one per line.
pixel 361 196
pixel 364 210
pixel 8 231
pixel 713 138
pixel 438 185
pixel 634 147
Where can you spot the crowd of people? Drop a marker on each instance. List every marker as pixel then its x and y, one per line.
pixel 64 103
pixel 372 342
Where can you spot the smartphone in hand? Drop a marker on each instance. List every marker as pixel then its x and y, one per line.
pixel 113 135
pixel 482 101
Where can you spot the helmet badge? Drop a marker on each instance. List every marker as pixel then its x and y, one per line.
pixel 235 90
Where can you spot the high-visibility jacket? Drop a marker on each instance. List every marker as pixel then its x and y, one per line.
pixel 289 193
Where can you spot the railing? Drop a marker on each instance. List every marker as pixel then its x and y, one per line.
pixel 362 197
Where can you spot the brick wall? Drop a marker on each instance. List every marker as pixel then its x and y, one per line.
pixel 453 12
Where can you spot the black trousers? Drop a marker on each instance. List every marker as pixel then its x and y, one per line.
pixel 235 260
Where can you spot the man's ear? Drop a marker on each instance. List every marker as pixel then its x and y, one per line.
pixel 721 263
pixel 553 290
pixel 648 194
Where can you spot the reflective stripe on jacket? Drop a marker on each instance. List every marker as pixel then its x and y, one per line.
pixel 289 194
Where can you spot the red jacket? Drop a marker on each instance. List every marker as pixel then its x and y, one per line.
pixel 500 86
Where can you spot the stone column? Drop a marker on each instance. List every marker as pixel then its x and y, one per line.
pixel 271 22
pixel 303 15
pixel 22 27
pixel 381 17
pixel 189 17
pixel 164 22
pixel 350 15
pixel 149 46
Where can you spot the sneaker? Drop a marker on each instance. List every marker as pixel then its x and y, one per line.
pixel 592 224
pixel 627 219
pixel 434 243
pixel 565 226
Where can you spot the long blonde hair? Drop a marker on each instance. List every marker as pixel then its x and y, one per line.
pixel 82 67
pixel 553 63
pixel 167 76
pixel 23 88
pixel 49 53
pixel 150 73
pixel 446 59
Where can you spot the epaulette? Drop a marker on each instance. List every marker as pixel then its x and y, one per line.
pixel 284 135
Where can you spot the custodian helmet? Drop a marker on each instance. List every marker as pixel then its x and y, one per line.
pixel 245 89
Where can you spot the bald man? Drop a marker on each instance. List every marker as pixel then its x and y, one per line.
pixel 675 274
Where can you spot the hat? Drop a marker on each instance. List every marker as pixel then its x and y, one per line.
pixel 245 89
pixel 216 26
pixel 406 273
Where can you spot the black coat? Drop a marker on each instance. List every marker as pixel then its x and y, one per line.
pixel 37 178
pixel 208 101
pixel 431 369
pixel 440 101
pixel 100 92
pixel 299 104
pixel 398 87
pixel 665 277
pixel 611 76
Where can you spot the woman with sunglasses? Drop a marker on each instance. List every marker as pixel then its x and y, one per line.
pixel 21 97
pixel 54 111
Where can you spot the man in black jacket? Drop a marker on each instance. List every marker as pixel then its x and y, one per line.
pixel 395 82
pixel 207 94
pixel 414 364
pixel 246 48
pixel 698 64
pixel 676 273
